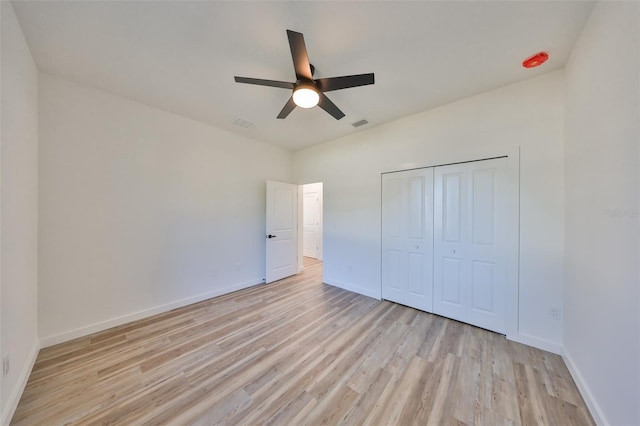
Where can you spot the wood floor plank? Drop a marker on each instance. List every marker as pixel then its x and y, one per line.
pixel 297 352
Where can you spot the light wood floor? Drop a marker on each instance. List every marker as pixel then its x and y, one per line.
pixel 298 352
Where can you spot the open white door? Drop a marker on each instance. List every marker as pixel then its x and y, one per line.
pixel 282 226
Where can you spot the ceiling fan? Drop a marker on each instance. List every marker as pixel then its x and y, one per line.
pixel 308 92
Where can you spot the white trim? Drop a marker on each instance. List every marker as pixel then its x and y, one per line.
pixel 100 326
pixel 513 245
pixel 589 399
pixel 536 342
pixel 14 398
pixel 300 248
pixel 352 287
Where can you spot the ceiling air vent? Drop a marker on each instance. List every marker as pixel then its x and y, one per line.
pixel 239 121
pixel 360 123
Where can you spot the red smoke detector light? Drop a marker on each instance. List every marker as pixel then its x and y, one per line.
pixel 535 60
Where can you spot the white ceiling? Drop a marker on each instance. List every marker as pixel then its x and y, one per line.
pixel 181 56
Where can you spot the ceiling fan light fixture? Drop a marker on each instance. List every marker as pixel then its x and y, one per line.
pixel 306 96
pixel 308 92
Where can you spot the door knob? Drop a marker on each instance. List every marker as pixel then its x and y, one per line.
pixel 271 236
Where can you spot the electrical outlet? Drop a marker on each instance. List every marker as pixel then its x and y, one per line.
pixel 556 312
pixel 6 365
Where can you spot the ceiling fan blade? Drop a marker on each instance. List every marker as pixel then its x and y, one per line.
pixel 288 107
pixel 326 104
pixel 261 82
pixel 344 82
pixel 299 55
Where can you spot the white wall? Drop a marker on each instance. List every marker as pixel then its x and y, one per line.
pixel 142 210
pixel 19 212
pixel 528 114
pixel 602 312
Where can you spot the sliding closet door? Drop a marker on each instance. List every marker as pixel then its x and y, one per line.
pixel 470 217
pixel 407 238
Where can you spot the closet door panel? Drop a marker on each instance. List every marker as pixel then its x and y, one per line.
pixel 469 243
pixel 407 238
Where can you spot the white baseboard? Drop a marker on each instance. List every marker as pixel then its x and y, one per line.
pixel 589 399
pixel 536 342
pixel 16 393
pixel 352 287
pixel 104 325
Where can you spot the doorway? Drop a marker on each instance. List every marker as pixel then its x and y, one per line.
pixel 294 222
pixel 311 223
